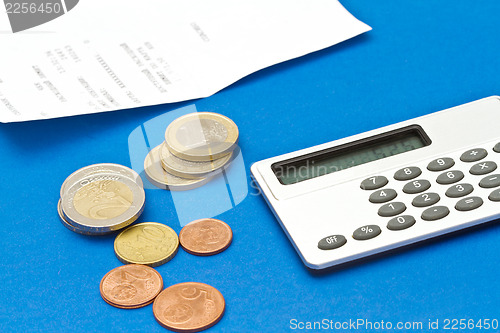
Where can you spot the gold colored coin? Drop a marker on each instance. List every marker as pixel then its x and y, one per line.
pixel 103 199
pixel 165 180
pixel 201 136
pixel 148 243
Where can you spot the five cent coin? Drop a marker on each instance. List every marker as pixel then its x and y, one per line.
pixel 148 243
pixel 205 237
pixel 189 307
pixel 131 286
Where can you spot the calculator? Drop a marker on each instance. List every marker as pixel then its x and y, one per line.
pixel 390 187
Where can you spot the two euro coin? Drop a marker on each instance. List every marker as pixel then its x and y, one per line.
pixel 100 199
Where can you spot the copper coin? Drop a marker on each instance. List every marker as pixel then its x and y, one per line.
pixel 189 307
pixel 205 237
pixel 131 286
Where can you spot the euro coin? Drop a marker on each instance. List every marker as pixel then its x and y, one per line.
pixel 101 168
pixel 131 286
pixel 201 136
pixel 190 169
pixel 147 243
pixel 160 178
pixel 189 307
pixel 102 202
pixel 73 228
pixel 205 237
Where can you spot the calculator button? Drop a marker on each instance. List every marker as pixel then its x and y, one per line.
pixel 490 181
pixel 450 177
pixel 496 149
pixel 407 173
pixel 417 186
pixel 435 213
pixel 374 183
pixel 483 168
pixel 495 195
pixel 384 195
pixel 459 190
pixel 366 232
pixel 473 155
pixel 469 203
pixel 401 222
pixel 441 164
pixel 391 209
pixel 425 199
pixel 332 242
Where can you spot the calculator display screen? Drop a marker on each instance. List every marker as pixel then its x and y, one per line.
pixel 350 155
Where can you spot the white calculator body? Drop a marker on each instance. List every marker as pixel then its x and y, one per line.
pixel 386 188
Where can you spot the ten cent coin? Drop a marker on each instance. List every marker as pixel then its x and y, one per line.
pixel 189 307
pixel 131 286
pixel 201 136
pixel 148 243
pixel 205 237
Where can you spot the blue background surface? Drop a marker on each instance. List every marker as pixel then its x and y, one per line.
pixel 421 56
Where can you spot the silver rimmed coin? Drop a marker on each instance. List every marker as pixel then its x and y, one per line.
pixel 190 169
pixel 162 179
pixel 102 202
pixel 100 168
pixel 201 136
pixel 73 228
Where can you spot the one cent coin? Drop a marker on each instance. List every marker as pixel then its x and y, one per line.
pixel 147 243
pixel 189 307
pixel 131 286
pixel 205 237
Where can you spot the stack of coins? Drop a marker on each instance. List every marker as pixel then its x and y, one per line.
pixel 101 198
pixel 197 147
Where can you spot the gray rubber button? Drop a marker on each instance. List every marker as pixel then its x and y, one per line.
pixel 450 177
pixel 366 232
pixel 401 222
pixel 435 213
pixel 459 190
pixel 441 164
pixel 469 203
pixel 496 149
pixel 391 209
pixel 425 199
pixel 483 168
pixel 417 186
pixel 332 242
pixel 407 173
pixel 374 183
pixel 495 195
pixel 490 181
pixel 474 155
pixel 383 195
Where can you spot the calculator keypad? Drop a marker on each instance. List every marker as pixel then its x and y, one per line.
pixel 391 209
pixel 474 155
pixel 417 186
pixel 425 199
pixel 435 213
pixel 382 196
pixel 450 177
pixel 407 173
pixel 483 168
pixel 490 181
pixel 428 200
pixel 459 190
pixel 441 164
pixel 469 203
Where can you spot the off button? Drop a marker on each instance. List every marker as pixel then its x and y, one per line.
pixel 332 242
